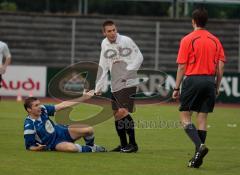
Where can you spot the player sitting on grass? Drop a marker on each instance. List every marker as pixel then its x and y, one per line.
pixel 41 133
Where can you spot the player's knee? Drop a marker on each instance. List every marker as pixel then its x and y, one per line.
pixel 185 124
pixel 89 130
pixel 66 147
pixel 202 125
pixel 121 112
pixel 71 148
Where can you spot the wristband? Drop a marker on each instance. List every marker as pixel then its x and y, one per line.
pixel 176 89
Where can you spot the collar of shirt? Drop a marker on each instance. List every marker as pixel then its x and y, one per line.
pixel 38 119
pixel 117 39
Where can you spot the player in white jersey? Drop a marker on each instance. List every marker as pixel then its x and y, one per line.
pixel 4 54
pixel 122 57
pixel 41 133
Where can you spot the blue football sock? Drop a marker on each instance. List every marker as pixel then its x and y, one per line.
pixel 83 149
pixel 89 140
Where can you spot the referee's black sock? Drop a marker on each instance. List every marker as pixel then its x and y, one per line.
pixel 120 128
pixel 192 133
pixel 202 135
pixel 129 126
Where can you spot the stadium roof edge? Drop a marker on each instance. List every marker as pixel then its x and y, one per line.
pixel 193 1
pixel 215 1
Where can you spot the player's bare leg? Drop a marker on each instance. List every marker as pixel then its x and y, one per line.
pixel 71 147
pixel 185 118
pixel 66 147
pixel 120 113
pixel 77 131
pixel 202 121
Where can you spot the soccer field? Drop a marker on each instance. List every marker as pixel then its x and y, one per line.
pixel 164 147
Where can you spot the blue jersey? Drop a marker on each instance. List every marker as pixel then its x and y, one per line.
pixel 41 130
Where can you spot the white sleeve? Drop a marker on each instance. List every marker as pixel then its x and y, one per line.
pixel 6 52
pixel 102 75
pixel 136 56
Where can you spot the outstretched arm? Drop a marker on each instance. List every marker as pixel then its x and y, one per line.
pixel 65 104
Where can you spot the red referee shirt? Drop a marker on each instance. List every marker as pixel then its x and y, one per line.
pixel 200 51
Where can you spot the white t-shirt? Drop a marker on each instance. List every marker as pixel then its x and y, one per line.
pixel 4 51
pixel 122 58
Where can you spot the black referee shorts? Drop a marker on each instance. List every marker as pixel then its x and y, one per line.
pixel 123 99
pixel 198 94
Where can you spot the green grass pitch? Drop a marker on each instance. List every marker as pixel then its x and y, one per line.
pixel 164 149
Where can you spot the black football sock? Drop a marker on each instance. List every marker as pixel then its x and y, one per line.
pixel 129 126
pixel 119 125
pixel 192 133
pixel 202 135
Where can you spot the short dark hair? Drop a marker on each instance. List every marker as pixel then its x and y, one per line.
pixel 200 16
pixel 108 23
pixel 28 102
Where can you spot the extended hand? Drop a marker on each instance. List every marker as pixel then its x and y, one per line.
pixel 40 147
pixel 88 94
pixel 98 93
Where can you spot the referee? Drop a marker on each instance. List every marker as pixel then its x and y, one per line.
pixel 122 57
pixel 201 60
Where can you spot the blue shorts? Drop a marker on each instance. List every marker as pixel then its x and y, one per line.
pixel 62 135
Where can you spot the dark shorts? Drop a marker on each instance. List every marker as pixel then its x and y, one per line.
pixel 123 99
pixel 198 94
pixel 62 135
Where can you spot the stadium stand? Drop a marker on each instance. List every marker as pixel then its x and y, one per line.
pixel 36 39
